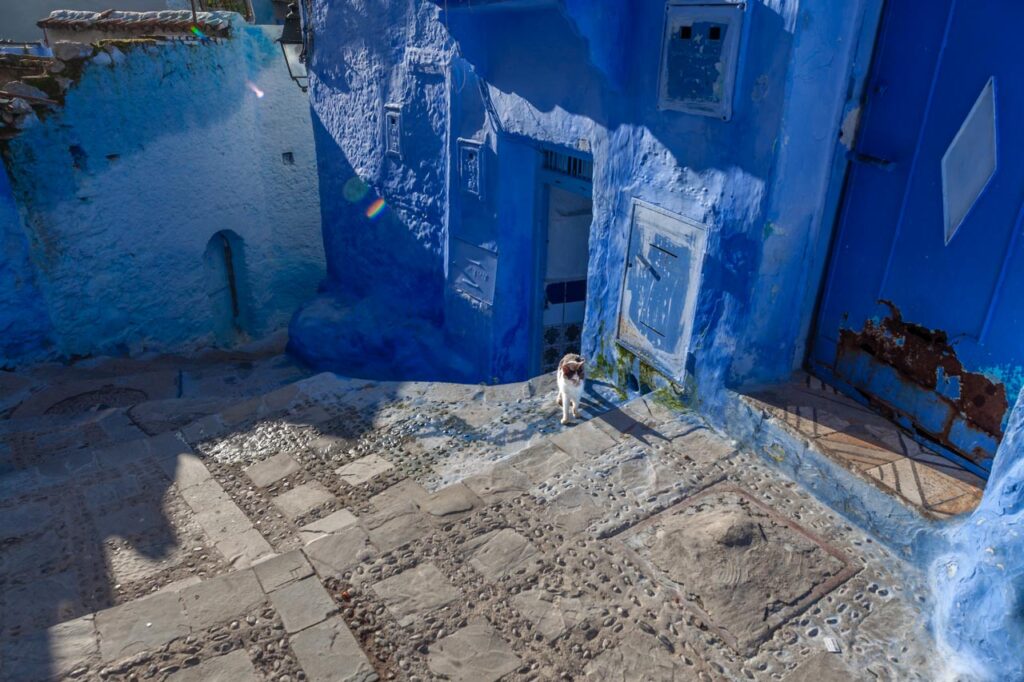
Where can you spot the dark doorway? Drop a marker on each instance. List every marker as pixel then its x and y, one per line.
pixel 566 215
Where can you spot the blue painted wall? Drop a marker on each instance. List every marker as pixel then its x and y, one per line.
pixel 25 329
pixel 978 582
pixel 577 76
pixel 120 188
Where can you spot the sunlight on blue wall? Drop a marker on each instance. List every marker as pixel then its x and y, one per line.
pixel 155 149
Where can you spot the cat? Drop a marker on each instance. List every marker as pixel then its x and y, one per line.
pixel 570 384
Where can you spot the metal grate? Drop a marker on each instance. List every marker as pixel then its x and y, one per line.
pixel 572 166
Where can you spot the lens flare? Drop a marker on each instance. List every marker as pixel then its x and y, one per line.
pixel 198 33
pixel 355 189
pixel 252 86
pixel 375 209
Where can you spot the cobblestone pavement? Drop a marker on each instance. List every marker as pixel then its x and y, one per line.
pixel 339 529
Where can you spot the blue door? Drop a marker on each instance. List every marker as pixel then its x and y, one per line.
pixel 922 312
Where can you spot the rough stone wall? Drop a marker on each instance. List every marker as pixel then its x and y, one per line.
pixel 155 148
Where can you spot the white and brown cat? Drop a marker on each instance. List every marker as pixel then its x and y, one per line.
pixel 570 376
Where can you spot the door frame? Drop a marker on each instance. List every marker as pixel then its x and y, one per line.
pixel 546 179
pixel 862 80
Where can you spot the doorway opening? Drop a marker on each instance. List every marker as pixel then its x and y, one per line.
pixel 224 266
pixel 565 215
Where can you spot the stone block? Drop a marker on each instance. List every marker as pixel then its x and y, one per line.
pixel 302 604
pixel 415 592
pixel 551 615
pixel 303 499
pixel 573 511
pixel 140 625
pixel 451 501
pixel 500 553
pixel 53 652
pixel 331 523
pixel 339 552
pixel 231 667
pixel 272 470
pixel 244 549
pixel 364 469
pixel 222 599
pixel 541 462
pixel 282 569
pixel 328 652
pixel 501 482
pixel 584 441
pixel 476 653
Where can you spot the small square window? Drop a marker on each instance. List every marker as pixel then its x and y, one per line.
pixel 715 33
pixel 288 158
pixel 686 32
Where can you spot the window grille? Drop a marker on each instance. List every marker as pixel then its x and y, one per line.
pixel 571 166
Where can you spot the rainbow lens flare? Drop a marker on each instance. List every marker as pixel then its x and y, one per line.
pixel 376 208
pixel 198 33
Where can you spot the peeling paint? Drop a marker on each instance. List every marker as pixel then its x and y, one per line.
pixel 924 359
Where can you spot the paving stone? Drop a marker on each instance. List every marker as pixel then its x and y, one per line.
pixel 22 604
pixel 140 625
pixel 54 652
pixel 573 511
pixel 303 499
pixel 395 500
pixel 618 423
pixel 727 550
pixel 303 603
pixel 364 469
pixel 583 441
pixel 415 592
pixel 476 653
pixel 397 519
pixel 110 492
pixel 221 599
pixel 272 470
pixel 179 585
pixel 184 470
pixel 29 556
pixel 642 476
pixel 244 549
pixel 822 667
pixel 451 501
pixel 329 653
pixel 704 446
pixel 28 518
pixel 551 615
pixel 501 482
pixel 541 462
pixel 339 552
pixel 231 667
pixel 638 657
pixel 282 569
pixel 400 530
pixel 501 552
pixel 331 523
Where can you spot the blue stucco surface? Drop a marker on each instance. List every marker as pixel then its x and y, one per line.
pixel 978 581
pixel 565 75
pixel 25 329
pixel 582 77
pixel 120 188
